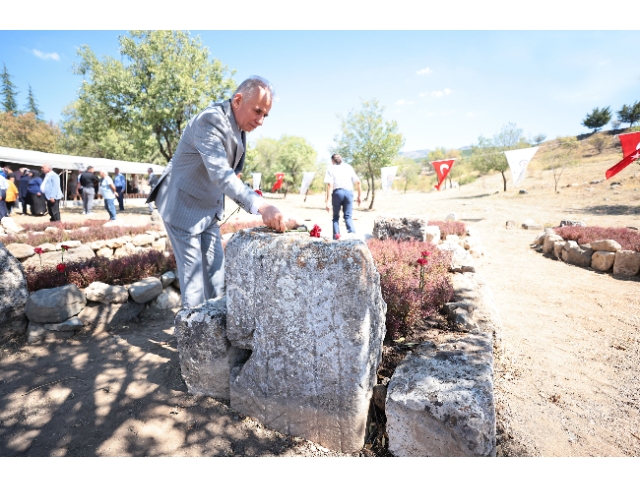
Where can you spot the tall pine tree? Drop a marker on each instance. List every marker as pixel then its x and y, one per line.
pixel 8 92
pixel 32 105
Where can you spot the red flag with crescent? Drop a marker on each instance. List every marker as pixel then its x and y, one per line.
pixel 630 143
pixel 278 183
pixel 632 157
pixel 442 170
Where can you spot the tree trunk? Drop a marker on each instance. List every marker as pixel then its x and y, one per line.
pixel 504 178
pixel 373 191
pixel 368 188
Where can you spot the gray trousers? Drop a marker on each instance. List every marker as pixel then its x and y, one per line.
pixel 200 261
pixel 87 199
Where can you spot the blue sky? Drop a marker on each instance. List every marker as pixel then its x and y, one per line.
pixel 444 88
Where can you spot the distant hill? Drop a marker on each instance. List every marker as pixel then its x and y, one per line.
pixel 416 154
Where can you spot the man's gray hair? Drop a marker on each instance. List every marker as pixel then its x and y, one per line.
pixel 250 85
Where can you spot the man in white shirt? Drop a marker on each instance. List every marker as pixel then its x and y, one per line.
pixel 340 179
pixel 50 187
pixel 4 186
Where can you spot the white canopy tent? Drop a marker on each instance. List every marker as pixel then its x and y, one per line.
pixel 34 160
pixel 21 157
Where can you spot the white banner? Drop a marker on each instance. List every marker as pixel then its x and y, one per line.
pixel 518 161
pixel 387 175
pixel 256 180
pixel 307 177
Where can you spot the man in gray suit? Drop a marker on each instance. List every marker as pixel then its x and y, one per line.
pixel 190 193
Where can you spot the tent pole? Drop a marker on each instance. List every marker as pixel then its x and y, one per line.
pixel 66 187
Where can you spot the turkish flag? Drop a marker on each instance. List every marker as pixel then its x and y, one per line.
pixel 442 170
pixel 278 183
pixel 632 157
pixel 630 143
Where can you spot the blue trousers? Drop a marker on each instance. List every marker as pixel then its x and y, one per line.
pixel 110 205
pixel 342 199
pixel 120 197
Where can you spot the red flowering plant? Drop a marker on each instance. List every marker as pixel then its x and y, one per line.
pixel 39 251
pixel 315 231
pixel 337 237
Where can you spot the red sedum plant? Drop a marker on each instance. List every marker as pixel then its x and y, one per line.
pixel 414 278
pixel 627 238
pixel 450 228
pixel 123 270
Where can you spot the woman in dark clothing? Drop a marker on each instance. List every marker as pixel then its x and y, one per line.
pixel 36 198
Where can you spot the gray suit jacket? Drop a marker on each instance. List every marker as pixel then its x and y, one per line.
pixel 210 154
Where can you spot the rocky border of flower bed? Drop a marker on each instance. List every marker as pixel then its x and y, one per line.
pixel 601 255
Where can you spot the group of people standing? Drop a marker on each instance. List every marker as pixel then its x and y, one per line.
pixel 41 191
pixel 31 190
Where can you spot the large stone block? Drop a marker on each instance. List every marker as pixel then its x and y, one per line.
pixel 20 251
pixel 206 356
pixel 102 316
pixel 549 240
pixel 432 234
pixel 169 298
pixel 606 245
pixel 558 248
pixel 106 293
pixel 13 292
pixel 579 255
pixel 52 259
pixel 602 260
pixel 440 400
pixel 55 305
pixel 626 263
pixel 312 313
pixel 400 228
pixel 145 290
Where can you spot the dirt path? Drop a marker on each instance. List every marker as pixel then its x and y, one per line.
pixel 567 384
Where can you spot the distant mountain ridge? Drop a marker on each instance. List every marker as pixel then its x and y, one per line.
pixel 419 154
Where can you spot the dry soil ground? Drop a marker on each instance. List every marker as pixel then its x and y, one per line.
pixel 566 383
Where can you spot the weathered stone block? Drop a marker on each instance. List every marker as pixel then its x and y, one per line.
pixel 602 260
pixel 20 251
pixel 626 263
pixel 432 234
pixel 400 228
pixel 167 278
pixel 143 240
pixel 102 316
pixel 145 290
pixel 579 255
pixel 558 248
pixel 312 313
pixel 10 225
pixel 160 244
pixel 548 241
pixel 440 400
pixel 55 305
pixel 105 293
pixel 72 324
pixel 606 245
pixel 206 356
pixel 169 298
pixel 105 252
pixel 13 292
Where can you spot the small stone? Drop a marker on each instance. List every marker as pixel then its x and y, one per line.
pixel 105 252
pixel 143 240
pixel 145 290
pixel 48 247
pixel 160 245
pixel 97 245
pixel 10 225
pixel 72 324
pixel 451 217
pixel 105 293
pixel 167 278
pixel 20 251
pixel 523 191
pixel 55 305
pixel 510 225
pixel 51 229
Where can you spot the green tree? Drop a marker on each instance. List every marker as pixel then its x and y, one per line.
pixel 629 114
pixel 26 132
pixel 598 118
pixel 165 78
pixel 569 152
pixel 488 154
pixel 9 93
pixel 295 155
pixel 538 139
pixel 409 170
pixel 368 142
pixel 32 105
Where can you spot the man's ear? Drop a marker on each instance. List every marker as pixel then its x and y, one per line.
pixel 237 99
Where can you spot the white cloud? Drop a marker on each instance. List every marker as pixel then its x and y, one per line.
pixel 447 91
pixel 404 102
pixel 473 114
pixel 46 55
pixel 424 71
pixel 440 93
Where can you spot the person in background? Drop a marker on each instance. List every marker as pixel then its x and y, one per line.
pixel 72 187
pixel 50 187
pixel 153 180
pixel 4 185
pixel 23 184
pixel 340 179
pixel 12 193
pixel 109 193
pixel 36 198
pixel 88 181
pixel 121 184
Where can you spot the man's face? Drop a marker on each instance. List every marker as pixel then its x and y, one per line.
pixel 117 171
pixel 250 112
pixel 46 169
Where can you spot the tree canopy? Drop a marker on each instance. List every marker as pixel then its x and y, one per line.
pixel 368 142
pixel 32 105
pixel 165 78
pixel 26 132
pixel 8 92
pixel 489 155
pixel 598 118
pixel 629 114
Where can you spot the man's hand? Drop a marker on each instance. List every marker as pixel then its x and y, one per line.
pixel 327 206
pixel 359 201
pixel 39 194
pixel 272 217
pixel 53 200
